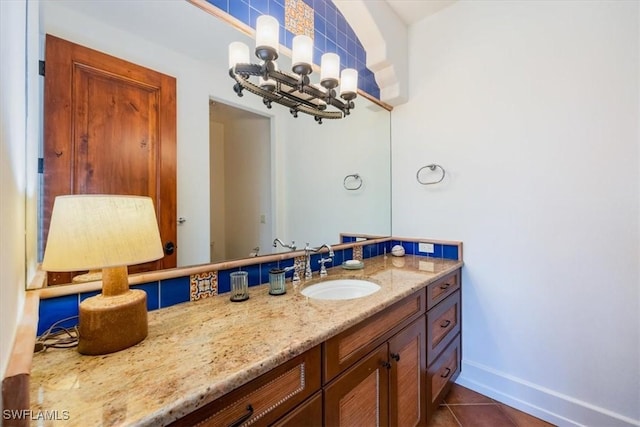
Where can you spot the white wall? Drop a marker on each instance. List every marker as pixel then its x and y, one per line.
pixel 532 108
pixel 217 195
pixel 248 186
pixel 13 142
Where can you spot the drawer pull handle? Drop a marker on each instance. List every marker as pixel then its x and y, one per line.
pixel 446 323
pixel 386 364
pixel 447 371
pixel 395 356
pixel 243 418
pixel 445 286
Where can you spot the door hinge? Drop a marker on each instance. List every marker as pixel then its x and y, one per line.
pixel 40 165
pixel 41 68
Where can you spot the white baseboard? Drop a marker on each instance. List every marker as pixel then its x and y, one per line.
pixel 546 404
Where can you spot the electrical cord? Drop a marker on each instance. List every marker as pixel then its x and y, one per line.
pixel 57 336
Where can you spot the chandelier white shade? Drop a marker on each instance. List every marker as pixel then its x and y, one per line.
pixel 238 54
pixel 294 91
pixel 267 36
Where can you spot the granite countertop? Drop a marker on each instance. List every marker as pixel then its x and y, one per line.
pixel 198 351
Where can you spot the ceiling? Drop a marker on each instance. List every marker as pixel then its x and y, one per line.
pixel 411 11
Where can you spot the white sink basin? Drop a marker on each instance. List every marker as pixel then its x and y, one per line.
pixel 340 289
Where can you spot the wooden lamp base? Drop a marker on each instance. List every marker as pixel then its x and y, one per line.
pixel 115 319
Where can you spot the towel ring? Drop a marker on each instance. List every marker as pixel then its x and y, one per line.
pixel 431 167
pixel 357 179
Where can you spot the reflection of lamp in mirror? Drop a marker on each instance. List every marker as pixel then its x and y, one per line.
pixel 107 232
pixel 293 90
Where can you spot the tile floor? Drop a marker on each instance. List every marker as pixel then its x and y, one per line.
pixel 466 408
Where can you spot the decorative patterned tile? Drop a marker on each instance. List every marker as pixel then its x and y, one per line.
pixel 357 253
pixel 298 17
pixel 299 264
pixel 203 285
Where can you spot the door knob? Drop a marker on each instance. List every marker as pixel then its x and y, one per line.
pixel 169 248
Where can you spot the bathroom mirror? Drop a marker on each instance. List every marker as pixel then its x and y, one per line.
pixel 307 163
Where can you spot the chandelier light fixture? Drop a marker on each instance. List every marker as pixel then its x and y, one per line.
pixel 293 90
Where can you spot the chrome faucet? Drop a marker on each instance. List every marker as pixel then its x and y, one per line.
pixel 307 254
pixel 292 246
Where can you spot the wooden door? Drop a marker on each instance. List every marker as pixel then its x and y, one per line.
pixel 407 396
pixel 360 396
pixel 109 128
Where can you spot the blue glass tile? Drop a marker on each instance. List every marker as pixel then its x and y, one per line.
pixel 52 310
pixel 277 11
pixel 317 56
pixel 220 4
pixel 338 257
pixel 450 252
pixel 341 40
pixel 343 54
pixel 85 295
pixel 341 23
pixel 331 47
pixel 383 248
pixel 437 251
pixel 315 265
pixel 369 251
pixel 261 6
pixel 175 291
pixel 409 247
pixel 331 32
pixel 348 254
pixel 375 92
pixel 319 42
pixel 153 294
pixel 309 3
pixel 361 55
pixel 224 281
pixel 319 6
pixel 320 25
pixel 240 9
pixel 288 38
pixel 253 17
pixel 348 239
pixel 254 273
pixel 350 61
pixel 280 2
pixel 331 13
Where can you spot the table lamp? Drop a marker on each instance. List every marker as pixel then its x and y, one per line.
pixel 105 232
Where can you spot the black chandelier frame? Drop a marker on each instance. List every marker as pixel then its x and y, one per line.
pixel 292 91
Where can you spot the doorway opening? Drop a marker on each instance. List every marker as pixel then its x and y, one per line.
pixel 240 183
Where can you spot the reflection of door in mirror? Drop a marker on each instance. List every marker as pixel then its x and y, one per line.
pixel 109 128
pixel 240 175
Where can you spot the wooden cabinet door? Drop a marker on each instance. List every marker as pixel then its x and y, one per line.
pixel 109 128
pixel 360 396
pixel 407 397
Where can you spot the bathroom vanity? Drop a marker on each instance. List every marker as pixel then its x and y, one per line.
pixel 387 358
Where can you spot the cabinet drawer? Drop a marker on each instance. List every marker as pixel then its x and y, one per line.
pixel 265 399
pixel 442 373
pixel 309 414
pixel 443 323
pixel 442 288
pixel 348 347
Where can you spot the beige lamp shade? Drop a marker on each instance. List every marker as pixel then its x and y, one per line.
pixel 98 231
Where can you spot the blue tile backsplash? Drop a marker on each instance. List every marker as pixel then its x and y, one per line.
pixel 168 292
pixel 331 32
